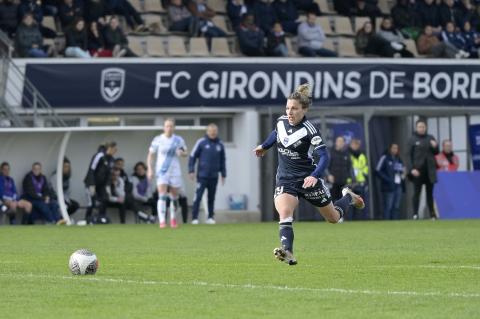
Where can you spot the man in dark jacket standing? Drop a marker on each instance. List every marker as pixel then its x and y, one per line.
pixel 422 167
pixel 210 152
pixel 340 171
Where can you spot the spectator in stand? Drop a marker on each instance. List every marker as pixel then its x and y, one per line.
pixel 28 39
pixel 308 6
pixel 115 39
pixel 204 14
pixel 429 14
pixel 115 190
pixel 287 14
pixel 69 12
pixel 276 45
pixel 143 192
pixel 235 10
pixel 125 9
pixel 344 7
pixel 265 15
pixel 77 40
pixel 181 19
pixel 97 177
pixel 360 172
pixel 37 191
pixel 406 19
pixel 366 9
pixel 394 37
pixel 449 12
pixel 472 40
pixel 72 205
pixel 250 37
pixel 340 172
pixel 96 42
pixel 311 38
pixel 33 7
pixel 9 200
pixel 95 11
pixel 452 36
pixel 9 16
pixel 447 160
pixel 422 166
pixel 429 44
pixel 391 171
pixel 50 7
pixel 369 44
pixel 469 12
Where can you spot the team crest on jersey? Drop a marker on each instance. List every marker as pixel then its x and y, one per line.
pixel 285 140
pixel 112 84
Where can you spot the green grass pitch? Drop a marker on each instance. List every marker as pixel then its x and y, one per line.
pixel 382 270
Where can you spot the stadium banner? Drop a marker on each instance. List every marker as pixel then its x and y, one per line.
pixel 474 137
pixel 188 83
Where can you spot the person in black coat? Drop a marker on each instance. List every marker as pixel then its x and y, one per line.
pixel 235 10
pixel 265 15
pixel 77 40
pixel 276 45
pixel 250 37
pixel 422 166
pixel 9 16
pixel 429 14
pixel 340 170
pixel 287 13
pixel 391 171
pixel 98 176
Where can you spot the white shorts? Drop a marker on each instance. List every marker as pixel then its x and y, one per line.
pixel 170 180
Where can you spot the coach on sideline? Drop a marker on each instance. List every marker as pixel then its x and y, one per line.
pixel 210 152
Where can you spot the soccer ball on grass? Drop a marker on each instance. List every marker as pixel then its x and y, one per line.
pixel 83 262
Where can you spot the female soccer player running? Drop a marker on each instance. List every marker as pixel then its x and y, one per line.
pixel 297 176
pixel 168 147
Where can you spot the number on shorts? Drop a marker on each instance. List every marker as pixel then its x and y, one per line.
pixel 278 191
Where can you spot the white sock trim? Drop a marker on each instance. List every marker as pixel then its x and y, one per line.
pixel 286 220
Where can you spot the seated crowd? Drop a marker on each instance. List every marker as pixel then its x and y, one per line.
pixel 107 184
pixel 96 28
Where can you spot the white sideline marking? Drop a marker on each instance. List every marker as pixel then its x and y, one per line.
pixel 251 286
pixel 471 267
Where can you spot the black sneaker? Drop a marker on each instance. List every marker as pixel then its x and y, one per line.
pixel 284 256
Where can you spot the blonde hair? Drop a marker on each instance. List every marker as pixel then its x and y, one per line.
pixel 302 94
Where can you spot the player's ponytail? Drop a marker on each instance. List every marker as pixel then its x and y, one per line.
pixel 302 94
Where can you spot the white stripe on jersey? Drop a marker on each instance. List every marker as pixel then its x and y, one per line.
pixel 96 160
pixel 311 126
pixel 308 127
pixel 194 149
pixel 380 162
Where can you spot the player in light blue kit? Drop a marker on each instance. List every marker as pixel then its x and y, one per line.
pixel 298 140
pixel 168 147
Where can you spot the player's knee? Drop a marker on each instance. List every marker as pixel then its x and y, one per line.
pixel 333 219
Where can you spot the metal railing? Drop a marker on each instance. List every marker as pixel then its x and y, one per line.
pixel 20 101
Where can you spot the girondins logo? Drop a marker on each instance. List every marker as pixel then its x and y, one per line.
pixel 112 84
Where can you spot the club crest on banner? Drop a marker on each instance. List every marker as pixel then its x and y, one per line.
pixel 112 84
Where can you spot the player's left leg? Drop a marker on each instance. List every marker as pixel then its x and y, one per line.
pixel 173 194
pixel 285 204
pixel 162 204
pixel 212 189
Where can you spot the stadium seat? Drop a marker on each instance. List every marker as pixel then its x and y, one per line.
pixel 176 46
pixel 198 47
pixel 324 22
pixel 384 7
pixel 49 22
pixel 154 22
pixel 378 23
pixel 155 46
pixel 346 47
pixel 325 7
pixel 138 5
pixel 411 46
pixel 360 21
pixel 218 6
pixel 221 22
pixel 220 47
pixel 137 45
pixel 343 25
pixel 153 6
pixel 292 50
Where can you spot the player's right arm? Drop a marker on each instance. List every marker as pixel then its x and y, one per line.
pixel 261 149
pixel 151 151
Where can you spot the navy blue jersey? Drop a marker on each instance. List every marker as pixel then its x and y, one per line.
pixel 296 145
